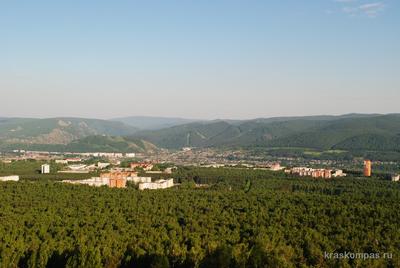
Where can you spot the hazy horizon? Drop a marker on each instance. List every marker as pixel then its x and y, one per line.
pixel 193 118
pixel 200 60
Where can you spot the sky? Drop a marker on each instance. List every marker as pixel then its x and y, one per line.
pixel 203 59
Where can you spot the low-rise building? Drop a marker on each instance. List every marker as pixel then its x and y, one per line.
pixel 10 178
pixel 78 168
pixel 101 165
pixel 276 167
pixel 396 177
pixel 315 173
pixel 73 160
pixel 100 181
pixel 159 184
pixel 102 154
pixel 118 174
pixel 61 161
pixel 222 165
pixel 339 173
pixel 95 181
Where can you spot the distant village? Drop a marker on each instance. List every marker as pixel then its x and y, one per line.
pixel 115 176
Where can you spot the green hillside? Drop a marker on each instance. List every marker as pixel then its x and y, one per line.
pixel 193 134
pixel 372 133
pixel 223 133
pixel 352 132
pixel 348 132
pixel 88 144
pixel 110 144
pixel 57 130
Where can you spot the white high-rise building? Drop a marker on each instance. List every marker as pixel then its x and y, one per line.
pixel 45 169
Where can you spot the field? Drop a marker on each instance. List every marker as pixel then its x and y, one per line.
pixel 245 218
pixel 30 170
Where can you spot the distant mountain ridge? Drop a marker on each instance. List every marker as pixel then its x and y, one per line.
pixel 153 123
pixel 319 132
pixel 353 132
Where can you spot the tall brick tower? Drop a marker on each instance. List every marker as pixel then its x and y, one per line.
pixel 367 168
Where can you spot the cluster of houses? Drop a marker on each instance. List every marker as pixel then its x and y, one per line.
pixel 315 173
pixel 108 155
pixel 142 165
pixel 119 179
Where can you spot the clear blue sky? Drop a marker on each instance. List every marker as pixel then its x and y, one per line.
pixel 198 59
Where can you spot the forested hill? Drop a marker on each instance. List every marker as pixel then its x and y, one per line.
pixel 348 132
pixel 352 132
pixel 57 130
pixel 152 122
pixel 89 144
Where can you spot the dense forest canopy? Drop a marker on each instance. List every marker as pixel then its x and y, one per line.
pixel 244 218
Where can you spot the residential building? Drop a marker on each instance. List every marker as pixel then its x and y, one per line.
pixel 315 173
pixel 73 160
pixel 117 183
pixel 339 173
pixel 321 173
pixel 10 178
pixel 100 181
pixel 77 167
pixel 159 184
pixel 137 180
pixel 396 177
pixel 367 168
pixel 45 169
pixel 102 165
pixel 61 161
pixel 276 167
pixel 118 175
pixel 327 174
pixel 95 181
